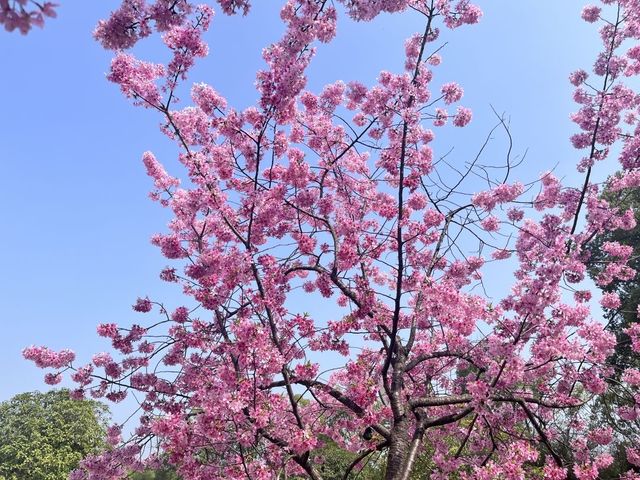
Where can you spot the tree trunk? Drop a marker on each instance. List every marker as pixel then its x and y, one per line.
pixel 398 448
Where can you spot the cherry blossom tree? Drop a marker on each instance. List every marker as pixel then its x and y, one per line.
pixel 338 198
pixel 23 14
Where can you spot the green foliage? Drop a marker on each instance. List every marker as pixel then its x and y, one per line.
pixel 43 436
pixel 617 321
pixel 335 461
pixel 618 467
pixel 166 474
pixel 628 291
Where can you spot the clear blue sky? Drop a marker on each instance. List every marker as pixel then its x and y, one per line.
pixel 75 214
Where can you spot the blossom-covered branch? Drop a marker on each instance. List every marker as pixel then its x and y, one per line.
pixel 339 198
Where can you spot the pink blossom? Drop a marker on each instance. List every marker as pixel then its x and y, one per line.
pixel 634 333
pixel 137 79
pixel 180 315
pixel 143 305
pixel 462 117
pixel 207 98
pixel 155 170
pixel 43 357
pixel 490 223
pixel 501 254
pixel 290 203
pixel 578 77
pixel 114 433
pixel 632 377
pixel 109 330
pixel 633 456
pixel 169 245
pixel 553 472
pixel 591 13
pixel 452 92
pixel 23 14
pixel 610 300
pixel 102 359
pixel 435 60
pixel 501 194
pixel 440 117
pixel 601 436
pixel 52 378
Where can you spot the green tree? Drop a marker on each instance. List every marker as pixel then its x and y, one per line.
pixel 619 319
pixel 165 474
pixel 43 436
pixel 335 461
pixel 628 290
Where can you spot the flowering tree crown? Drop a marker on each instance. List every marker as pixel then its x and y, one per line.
pixel 338 196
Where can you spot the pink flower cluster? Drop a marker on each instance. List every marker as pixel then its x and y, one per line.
pixel 21 15
pixel 44 357
pixel 452 92
pixel 137 79
pixel 501 194
pixel 135 19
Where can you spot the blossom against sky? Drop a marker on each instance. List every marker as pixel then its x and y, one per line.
pixel 76 217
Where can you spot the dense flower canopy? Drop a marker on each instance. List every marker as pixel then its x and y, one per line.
pixel 338 197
